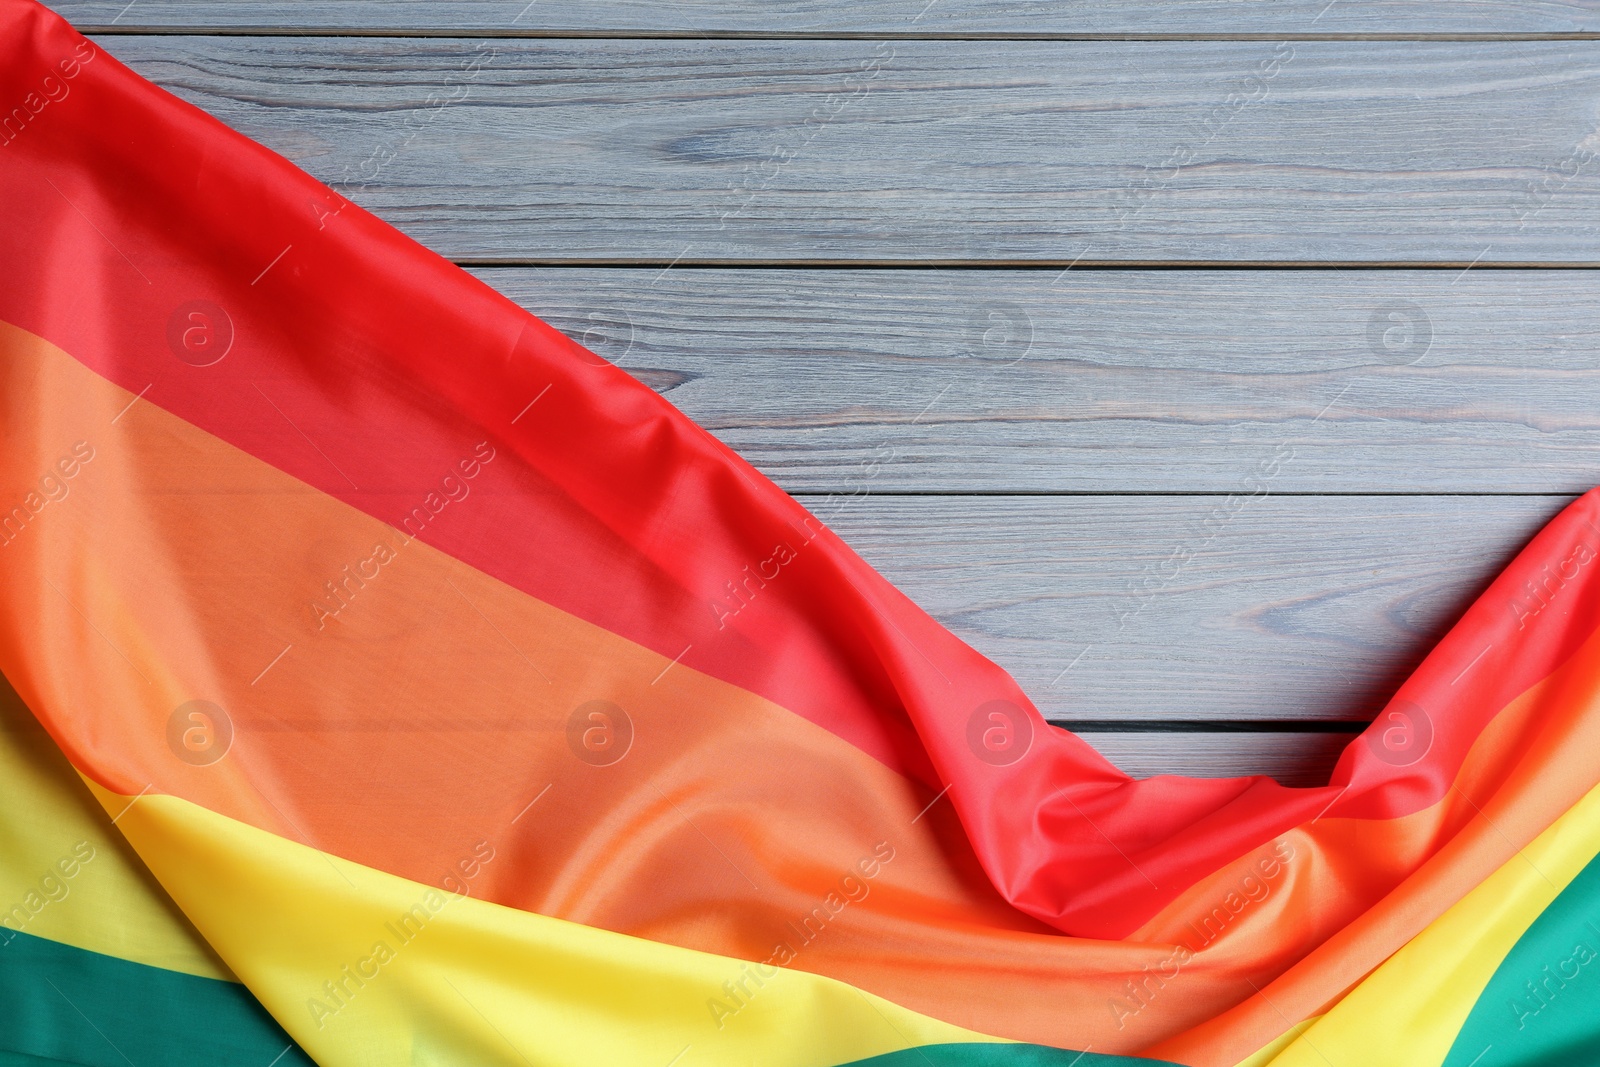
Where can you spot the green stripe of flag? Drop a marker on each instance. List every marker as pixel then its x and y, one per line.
pixel 66 1005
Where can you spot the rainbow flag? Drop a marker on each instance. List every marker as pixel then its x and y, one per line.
pixel 393 681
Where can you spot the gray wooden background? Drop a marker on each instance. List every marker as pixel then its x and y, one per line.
pixel 1048 279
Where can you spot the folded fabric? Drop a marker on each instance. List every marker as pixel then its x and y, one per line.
pixel 396 681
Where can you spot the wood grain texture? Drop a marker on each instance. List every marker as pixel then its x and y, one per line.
pixel 1112 381
pixel 1008 18
pixel 734 151
pixel 1295 608
pixel 1297 759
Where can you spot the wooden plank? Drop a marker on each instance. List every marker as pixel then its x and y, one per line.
pixel 1137 381
pixel 1298 759
pixel 812 152
pixel 1295 608
pixel 1015 18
